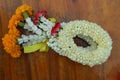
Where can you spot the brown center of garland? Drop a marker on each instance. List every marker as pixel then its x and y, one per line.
pixel 80 42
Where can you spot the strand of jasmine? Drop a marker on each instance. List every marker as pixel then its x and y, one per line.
pixel 46 28
pixel 31 27
pixel 55 47
pixel 43 26
pixel 53 44
pixel 46 25
pixel 39 38
pixel 43 38
pixel 34 29
pixel 31 39
pixel 46 21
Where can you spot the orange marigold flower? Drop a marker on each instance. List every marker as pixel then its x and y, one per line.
pixel 15 19
pixel 15 32
pixel 10 45
pixel 9 40
pixel 24 8
pixel 16 52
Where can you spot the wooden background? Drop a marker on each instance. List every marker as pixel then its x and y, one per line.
pixel 51 66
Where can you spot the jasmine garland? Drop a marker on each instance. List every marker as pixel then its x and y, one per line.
pixel 59 36
pixel 100 41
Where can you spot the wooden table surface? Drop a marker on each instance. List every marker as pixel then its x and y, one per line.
pixel 51 66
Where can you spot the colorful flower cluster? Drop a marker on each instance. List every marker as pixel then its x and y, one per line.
pixel 46 32
pixel 42 28
pixel 10 39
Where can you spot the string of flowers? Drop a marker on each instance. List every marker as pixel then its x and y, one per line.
pixel 99 40
pixel 41 27
pixel 46 32
pixel 10 39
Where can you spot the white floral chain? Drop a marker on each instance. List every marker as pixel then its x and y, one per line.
pixel 100 41
pixel 41 32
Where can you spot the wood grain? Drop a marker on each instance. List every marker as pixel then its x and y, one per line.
pixel 51 66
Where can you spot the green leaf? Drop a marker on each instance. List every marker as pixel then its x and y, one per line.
pixel 21 24
pixel 25 14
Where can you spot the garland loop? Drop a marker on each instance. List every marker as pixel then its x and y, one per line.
pixel 46 32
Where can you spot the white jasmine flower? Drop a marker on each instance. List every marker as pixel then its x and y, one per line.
pixel 38 31
pixel 29 21
pixel 20 41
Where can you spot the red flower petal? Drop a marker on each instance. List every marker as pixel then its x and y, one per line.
pixel 55 28
pixel 40 13
pixel 35 21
